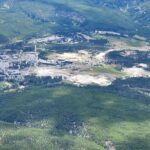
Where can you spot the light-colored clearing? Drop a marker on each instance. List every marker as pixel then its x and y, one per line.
pixel 136 72
pixel 89 80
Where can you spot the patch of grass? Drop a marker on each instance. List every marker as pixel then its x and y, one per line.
pixel 4 85
pixel 107 69
pixel 135 41
pixel 41 118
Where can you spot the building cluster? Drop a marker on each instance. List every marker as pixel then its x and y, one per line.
pixel 11 64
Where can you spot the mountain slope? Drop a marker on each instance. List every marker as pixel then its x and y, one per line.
pixel 21 18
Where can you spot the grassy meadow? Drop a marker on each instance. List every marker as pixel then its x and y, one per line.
pixel 72 118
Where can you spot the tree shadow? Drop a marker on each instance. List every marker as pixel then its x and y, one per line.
pixel 135 144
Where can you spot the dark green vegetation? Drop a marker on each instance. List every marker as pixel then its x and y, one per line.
pixel 143 57
pixel 3 39
pixel 42 118
pixel 25 18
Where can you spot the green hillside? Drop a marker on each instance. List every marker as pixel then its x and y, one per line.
pixel 27 17
pixel 43 118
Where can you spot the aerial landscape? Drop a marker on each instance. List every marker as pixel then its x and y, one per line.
pixel 74 75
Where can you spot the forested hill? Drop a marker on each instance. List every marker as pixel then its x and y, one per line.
pixel 22 18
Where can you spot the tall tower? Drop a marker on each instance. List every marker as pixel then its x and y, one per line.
pixel 36 55
pixel 35 47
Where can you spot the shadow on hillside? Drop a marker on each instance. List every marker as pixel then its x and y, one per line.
pixel 135 144
pixel 69 105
